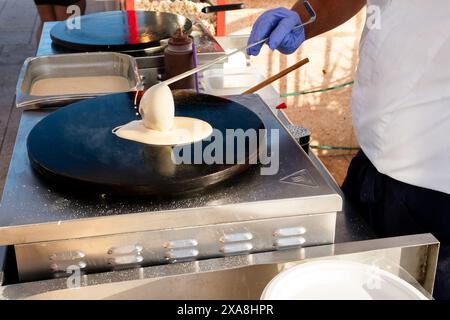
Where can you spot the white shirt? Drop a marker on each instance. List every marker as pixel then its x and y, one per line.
pixel 401 96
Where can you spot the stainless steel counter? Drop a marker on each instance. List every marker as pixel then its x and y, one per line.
pixel 34 211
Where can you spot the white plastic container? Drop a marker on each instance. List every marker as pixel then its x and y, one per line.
pixel 224 82
pixel 339 280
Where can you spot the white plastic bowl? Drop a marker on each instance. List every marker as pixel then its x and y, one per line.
pixel 223 82
pixel 339 280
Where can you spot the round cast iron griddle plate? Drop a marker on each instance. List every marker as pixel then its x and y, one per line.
pixel 118 30
pixel 75 148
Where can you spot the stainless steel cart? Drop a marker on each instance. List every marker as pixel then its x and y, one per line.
pixel 220 245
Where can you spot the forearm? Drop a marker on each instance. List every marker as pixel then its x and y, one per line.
pixel 330 14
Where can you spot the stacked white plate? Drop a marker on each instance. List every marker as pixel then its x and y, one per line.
pixel 339 280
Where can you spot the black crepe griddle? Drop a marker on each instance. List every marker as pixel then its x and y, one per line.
pixel 118 30
pixel 74 147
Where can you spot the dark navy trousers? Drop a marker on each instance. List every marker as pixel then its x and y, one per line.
pixel 393 208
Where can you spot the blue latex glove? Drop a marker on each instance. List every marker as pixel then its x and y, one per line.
pixel 278 24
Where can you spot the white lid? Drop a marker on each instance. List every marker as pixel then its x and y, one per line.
pixel 339 280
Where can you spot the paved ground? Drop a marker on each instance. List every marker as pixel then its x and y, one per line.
pixel 18 20
pixel 333 57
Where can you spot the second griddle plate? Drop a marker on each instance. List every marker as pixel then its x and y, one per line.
pixel 118 30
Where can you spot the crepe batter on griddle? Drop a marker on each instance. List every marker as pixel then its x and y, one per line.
pixel 159 126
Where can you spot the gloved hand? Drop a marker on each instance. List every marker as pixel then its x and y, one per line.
pixel 278 24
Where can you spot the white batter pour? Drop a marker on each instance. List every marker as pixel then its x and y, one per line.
pixel 159 126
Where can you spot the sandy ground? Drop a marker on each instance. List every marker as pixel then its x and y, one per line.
pixel 333 57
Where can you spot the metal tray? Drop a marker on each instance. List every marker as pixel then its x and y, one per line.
pixel 76 65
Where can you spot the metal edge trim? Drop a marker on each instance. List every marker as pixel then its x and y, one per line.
pixel 148 221
pixel 24 290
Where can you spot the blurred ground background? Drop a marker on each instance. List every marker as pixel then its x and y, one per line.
pixel 333 58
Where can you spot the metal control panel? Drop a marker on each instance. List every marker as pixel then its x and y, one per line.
pixel 60 258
